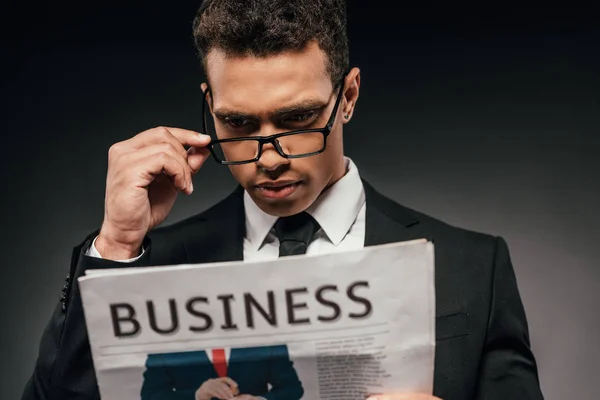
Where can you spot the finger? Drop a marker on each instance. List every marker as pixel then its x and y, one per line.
pixel 212 390
pixel 161 150
pixel 176 151
pixel 223 391
pixel 162 134
pixel 196 157
pixel 189 138
pixel 230 382
pixel 156 164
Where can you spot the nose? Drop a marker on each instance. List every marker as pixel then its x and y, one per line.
pixel 270 159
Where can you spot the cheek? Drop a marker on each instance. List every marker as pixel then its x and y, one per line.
pixel 334 150
pixel 334 140
pixel 242 173
pixel 317 168
pixel 322 166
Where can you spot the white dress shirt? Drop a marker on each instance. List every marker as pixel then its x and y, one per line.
pixel 340 212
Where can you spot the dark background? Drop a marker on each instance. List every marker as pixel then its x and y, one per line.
pixel 485 118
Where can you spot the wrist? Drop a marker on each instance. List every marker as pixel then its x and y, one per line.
pixel 112 249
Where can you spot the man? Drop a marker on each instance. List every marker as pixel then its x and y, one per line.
pixel 265 372
pixel 276 66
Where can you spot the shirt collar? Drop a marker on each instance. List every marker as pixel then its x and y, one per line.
pixel 258 223
pixel 335 210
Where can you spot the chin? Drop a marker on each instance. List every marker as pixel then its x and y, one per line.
pixel 282 207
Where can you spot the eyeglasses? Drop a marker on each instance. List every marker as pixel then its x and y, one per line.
pixel 292 144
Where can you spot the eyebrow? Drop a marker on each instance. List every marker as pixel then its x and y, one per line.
pixel 301 106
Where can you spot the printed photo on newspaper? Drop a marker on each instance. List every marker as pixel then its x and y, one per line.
pixel 333 327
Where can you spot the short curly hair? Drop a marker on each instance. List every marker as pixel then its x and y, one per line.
pixel 266 27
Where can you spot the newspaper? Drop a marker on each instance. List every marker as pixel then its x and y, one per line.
pixel 330 327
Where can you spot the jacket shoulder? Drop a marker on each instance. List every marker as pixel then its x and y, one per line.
pixel 441 228
pixel 442 231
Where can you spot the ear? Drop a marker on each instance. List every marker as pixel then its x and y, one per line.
pixel 204 88
pixel 352 86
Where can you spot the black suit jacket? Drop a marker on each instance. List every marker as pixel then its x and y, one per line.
pixel 482 340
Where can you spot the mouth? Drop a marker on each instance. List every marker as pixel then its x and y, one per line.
pixel 278 189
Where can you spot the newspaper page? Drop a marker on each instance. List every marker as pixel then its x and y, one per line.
pixel 332 327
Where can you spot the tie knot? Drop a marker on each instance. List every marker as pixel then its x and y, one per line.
pixel 295 233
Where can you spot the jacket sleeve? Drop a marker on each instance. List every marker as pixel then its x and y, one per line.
pixel 64 368
pixel 508 369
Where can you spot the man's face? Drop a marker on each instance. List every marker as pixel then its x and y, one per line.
pixel 254 96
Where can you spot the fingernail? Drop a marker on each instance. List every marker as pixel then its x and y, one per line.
pixel 191 187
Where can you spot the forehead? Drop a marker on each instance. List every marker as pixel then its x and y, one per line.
pixel 257 84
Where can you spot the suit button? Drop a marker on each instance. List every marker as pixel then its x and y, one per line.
pixel 65 290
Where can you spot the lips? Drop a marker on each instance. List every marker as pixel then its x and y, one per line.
pixel 276 184
pixel 277 189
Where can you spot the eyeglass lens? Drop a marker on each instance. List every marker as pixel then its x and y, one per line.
pixel 292 145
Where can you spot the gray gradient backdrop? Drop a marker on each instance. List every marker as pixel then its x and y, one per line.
pixel 487 119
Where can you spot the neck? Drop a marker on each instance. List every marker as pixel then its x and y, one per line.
pixel 339 173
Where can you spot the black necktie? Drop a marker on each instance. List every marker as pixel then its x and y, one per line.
pixel 295 233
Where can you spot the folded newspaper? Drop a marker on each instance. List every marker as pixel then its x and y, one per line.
pixel 332 327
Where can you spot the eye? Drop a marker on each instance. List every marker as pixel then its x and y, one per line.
pixel 237 122
pixel 302 117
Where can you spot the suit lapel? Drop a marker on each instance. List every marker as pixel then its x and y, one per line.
pixel 218 234
pixel 234 362
pixel 205 367
pixel 388 222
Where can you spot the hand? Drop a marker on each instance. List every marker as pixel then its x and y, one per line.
pixel 144 175
pixel 403 396
pixel 221 388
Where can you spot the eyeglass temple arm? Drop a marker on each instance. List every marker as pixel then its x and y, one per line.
pixel 331 121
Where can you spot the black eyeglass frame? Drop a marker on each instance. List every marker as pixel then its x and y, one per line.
pixel 325 131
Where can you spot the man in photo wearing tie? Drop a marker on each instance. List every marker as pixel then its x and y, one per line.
pixel 278 94
pixel 252 373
